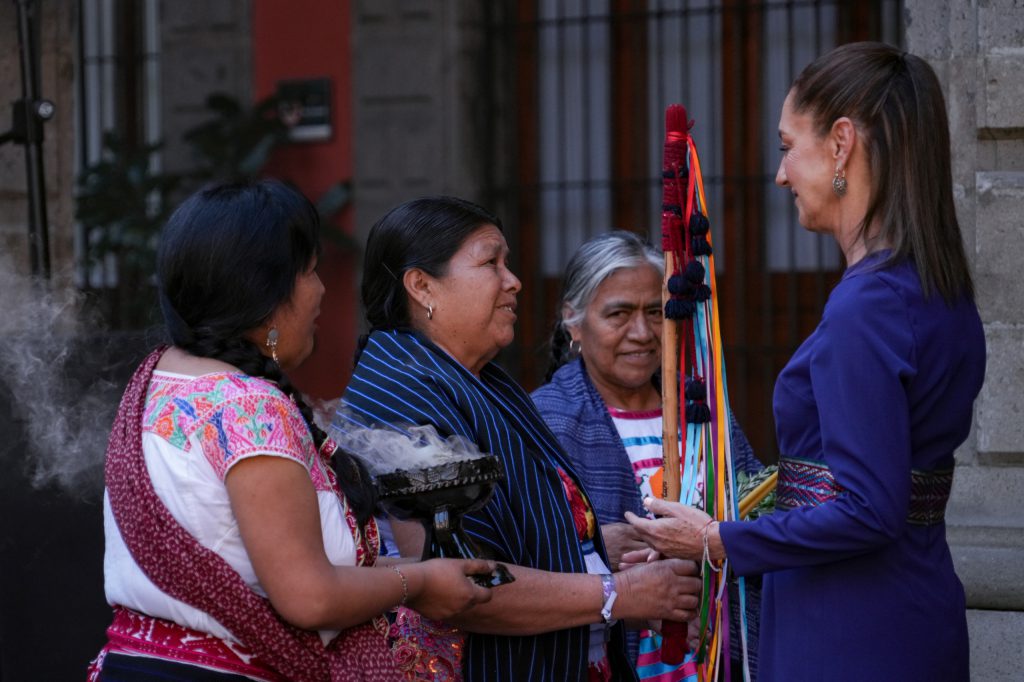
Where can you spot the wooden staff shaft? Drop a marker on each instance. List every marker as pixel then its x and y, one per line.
pixel 757 494
pixel 670 394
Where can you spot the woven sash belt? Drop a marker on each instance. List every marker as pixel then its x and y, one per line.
pixel 804 483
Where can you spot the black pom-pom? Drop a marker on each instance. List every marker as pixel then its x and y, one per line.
pixel 680 286
pixel 698 413
pixel 702 292
pixel 698 225
pixel 695 272
pixel 679 309
pixel 695 389
pixel 701 246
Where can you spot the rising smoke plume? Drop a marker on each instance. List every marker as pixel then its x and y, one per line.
pixel 51 360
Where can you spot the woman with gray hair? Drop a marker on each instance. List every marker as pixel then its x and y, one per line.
pixel 603 398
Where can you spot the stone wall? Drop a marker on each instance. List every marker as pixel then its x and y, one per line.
pixel 976 47
pixel 205 48
pixel 417 102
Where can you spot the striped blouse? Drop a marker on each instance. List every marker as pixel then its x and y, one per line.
pixel 641 434
pixel 403 380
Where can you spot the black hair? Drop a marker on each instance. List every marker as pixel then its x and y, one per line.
pixel 228 257
pixel 423 233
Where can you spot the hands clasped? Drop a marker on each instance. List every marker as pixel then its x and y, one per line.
pixel 661 590
pixel 619 539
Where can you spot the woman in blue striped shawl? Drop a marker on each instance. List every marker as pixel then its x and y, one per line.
pixel 441 301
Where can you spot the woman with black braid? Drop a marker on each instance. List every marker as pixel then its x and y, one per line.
pixel 233 550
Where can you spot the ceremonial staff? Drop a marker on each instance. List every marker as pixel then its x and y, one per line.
pixel 699 408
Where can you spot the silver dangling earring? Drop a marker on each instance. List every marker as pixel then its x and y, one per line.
pixel 272 343
pixel 575 348
pixel 430 312
pixel 839 182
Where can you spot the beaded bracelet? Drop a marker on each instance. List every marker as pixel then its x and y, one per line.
pixel 405 584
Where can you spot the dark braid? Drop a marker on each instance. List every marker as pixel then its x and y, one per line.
pixel 228 258
pixel 559 349
pixel 353 477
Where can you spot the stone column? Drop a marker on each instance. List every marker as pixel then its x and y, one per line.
pixel 417 102
pixel 204 48
pixel 976 49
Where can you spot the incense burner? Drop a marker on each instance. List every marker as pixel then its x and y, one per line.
pixel 438 496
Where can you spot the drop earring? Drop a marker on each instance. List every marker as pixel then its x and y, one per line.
pixel 430 312
pixel 839 182
pixel 272 343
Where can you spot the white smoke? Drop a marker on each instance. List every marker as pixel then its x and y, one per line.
pixel 65 416
pixel 385 450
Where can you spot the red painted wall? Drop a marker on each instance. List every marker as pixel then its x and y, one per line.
pixel 310 39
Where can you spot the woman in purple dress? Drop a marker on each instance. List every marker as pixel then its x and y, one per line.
pixel 858 578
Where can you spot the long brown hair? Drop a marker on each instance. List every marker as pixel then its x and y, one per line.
pixel 895 100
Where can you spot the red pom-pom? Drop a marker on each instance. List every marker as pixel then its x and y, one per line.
pixel 675 119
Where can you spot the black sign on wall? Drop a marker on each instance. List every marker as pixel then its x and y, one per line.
pixel 305 107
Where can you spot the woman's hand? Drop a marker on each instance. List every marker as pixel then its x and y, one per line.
pixel 620 538
pixel 638 558
pixel 660 590
pixel 677 533
pixel 441 588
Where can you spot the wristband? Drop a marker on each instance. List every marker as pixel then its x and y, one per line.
pixel 608 589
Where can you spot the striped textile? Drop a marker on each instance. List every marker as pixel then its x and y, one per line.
pixel 641 435
pixel 803 482
pixel 579 418
pixel 641 438
pixel 586 428
pixel 651 669
pixel 402 379
pixel 929 493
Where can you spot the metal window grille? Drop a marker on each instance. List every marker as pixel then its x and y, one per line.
pixel 118 90
pixel 587 82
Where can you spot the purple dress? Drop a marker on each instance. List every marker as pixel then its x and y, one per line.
pixel 859 581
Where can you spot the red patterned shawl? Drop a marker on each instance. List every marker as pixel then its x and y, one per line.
pixel 182 568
